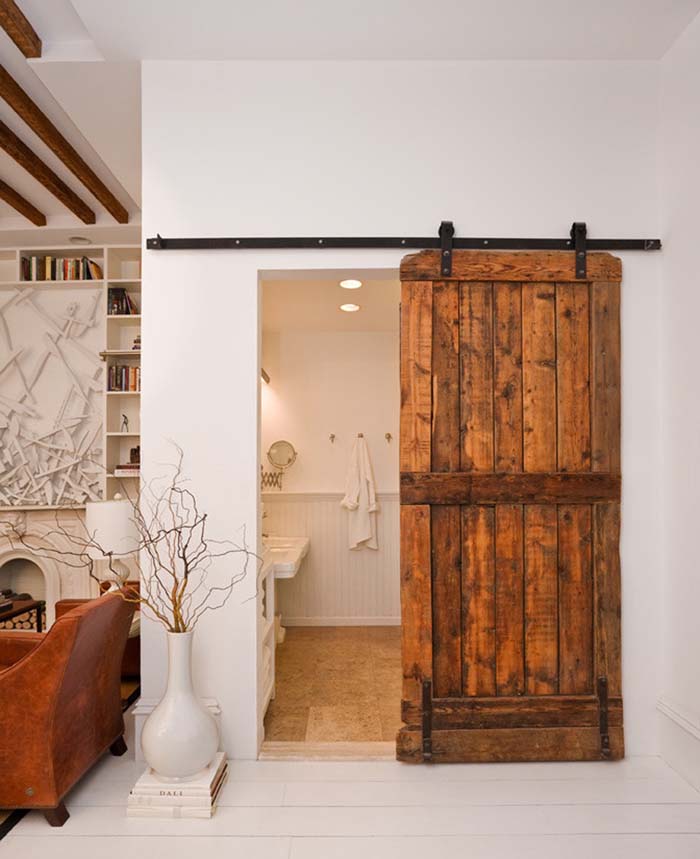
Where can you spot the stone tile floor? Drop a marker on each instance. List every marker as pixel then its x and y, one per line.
pixel 337 684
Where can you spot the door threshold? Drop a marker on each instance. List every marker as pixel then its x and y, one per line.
pixel 303 751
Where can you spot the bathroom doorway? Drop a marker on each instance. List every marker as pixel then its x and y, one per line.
pixel 329 612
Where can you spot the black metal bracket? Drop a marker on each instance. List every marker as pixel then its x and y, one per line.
pixel 445 242
pixel 446 233
pixel 603 717
pixel 578 237
pixel 427 721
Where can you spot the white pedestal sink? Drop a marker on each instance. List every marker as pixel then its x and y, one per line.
pixel 285 554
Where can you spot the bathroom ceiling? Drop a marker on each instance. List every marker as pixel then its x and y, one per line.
pixel 312 305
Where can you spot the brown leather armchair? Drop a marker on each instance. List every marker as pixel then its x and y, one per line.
pixel 60 704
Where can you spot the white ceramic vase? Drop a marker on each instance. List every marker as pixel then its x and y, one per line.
pixel 180 737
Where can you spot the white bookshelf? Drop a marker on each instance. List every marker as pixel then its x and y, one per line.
pixel 122 271
pixel 121 268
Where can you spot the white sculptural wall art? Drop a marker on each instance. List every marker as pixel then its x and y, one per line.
pixel 51 396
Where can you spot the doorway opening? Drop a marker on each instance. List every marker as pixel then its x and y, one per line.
pixel 329 614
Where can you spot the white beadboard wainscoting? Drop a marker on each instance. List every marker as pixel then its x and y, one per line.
pixel 336 586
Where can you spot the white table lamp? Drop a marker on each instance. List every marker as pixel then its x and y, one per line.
pixel 111 525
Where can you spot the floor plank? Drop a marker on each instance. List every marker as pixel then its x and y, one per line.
pixel 498 847
pixel 369 821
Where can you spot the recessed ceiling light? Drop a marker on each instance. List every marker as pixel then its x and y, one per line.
pixel 350 308
pixel 351 284
pixel 79 240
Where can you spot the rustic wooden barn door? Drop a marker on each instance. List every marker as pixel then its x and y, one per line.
pixel 510 487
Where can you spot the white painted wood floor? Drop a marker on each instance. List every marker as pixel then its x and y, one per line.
pixel 384 810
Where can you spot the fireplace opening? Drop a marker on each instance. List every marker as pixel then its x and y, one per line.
pixel 24 578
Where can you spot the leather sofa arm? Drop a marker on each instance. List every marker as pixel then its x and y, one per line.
pixel 16 645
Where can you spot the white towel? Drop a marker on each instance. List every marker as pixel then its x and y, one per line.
pixel 361 498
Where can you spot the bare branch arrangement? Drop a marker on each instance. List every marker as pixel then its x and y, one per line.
pixel 172 537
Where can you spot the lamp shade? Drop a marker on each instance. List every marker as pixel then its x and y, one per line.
pixel 111 525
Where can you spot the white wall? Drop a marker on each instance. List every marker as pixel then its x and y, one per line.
pixel 380 148
pixel 340 382
pixel 680 703
pixel 325 382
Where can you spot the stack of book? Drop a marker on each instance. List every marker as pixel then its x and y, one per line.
pixel 127 469
pixel 60 268
pixel 124 377
pixel 120 303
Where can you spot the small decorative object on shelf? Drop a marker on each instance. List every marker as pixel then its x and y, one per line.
pixel 136 347
pixel 125 424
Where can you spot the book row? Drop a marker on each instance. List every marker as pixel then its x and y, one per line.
pixel 122 377
pixel 120 303
pixel 60 268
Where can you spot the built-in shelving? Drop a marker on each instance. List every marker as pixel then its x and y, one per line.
pixel 122 272
pixel 120 268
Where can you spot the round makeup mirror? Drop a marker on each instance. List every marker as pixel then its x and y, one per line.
pixel 281 454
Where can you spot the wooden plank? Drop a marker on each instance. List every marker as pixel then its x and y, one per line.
pixel 518 266
pixel 573 393
pixel 416 349
pixel 551 711
pixel 472 488
pixel 508 379
pixel 605 377
pixel 510 665
pixel 523 744
pixel 575 600
pixel 445 370
pixel 409 746
pixel 447 601
pixel 21 205
pixel 478 601
pixel 416 609
pixel 606 539
pixel 24 156
pixel 541 604
pixel 476 358
pixel 539 378
pixel 42 126
pixel 18 28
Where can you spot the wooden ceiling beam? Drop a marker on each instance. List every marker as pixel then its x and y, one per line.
pixel 18 28
pixel 24 207
pixel 42 126
pixel 24 156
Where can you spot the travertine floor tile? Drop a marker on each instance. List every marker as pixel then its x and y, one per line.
pixel 350 677
pixel 349 723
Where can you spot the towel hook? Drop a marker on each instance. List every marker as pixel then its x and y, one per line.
pixel 332 437
pixel 360 435
pixel 388 436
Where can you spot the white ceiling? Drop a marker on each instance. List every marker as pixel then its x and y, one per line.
pixel 384 29
pixel 291 304
pixel 88 79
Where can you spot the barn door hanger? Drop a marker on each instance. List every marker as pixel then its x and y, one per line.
pixel 577 242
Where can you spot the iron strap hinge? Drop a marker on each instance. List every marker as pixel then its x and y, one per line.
pixel 446 233
pixel 603 717
pixel 427 721
pixel 578 237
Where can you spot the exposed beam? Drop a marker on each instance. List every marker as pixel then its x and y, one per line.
pixel 18 28
pixel 42 126
pixel 24 156
pixel 24 207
